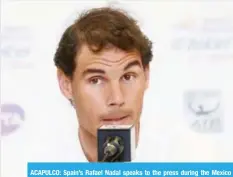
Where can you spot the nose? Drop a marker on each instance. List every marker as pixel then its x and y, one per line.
pixel 116 97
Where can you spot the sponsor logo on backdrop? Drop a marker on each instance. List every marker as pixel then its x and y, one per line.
pixel 210 37
pixel 203 110
pixel 12 116
pixel 16 47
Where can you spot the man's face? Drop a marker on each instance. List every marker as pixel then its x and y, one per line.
pixel 107 88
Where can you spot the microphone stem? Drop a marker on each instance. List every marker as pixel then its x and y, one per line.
pixel 116 156
pixel 105 157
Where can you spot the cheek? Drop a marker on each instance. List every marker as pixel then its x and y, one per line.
pixel 134 94
pixel 94 95
pixel 89 102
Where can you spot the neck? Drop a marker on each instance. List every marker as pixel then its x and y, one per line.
pixel 89 143
pixel 137 131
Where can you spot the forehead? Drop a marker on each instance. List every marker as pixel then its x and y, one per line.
pixel 109 56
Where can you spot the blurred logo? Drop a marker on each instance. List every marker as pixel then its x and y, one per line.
pixel 203 111
pixel 16 46
pixel 11 116
pixel 206 25
pixel 207 36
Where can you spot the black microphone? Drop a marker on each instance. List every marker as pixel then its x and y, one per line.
pixel 116 143
pixel 113 147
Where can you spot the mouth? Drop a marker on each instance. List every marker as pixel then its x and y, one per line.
pixel 116 120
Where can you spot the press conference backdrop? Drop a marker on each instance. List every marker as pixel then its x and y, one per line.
pixel 187 114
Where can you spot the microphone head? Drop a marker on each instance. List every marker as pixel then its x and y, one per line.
pixel 113 145
pixel 110 149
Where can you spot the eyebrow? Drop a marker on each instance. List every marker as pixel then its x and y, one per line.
pixel 93 71
pixel 131 64
pixel 100 71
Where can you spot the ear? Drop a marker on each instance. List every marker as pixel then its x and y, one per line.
pixel 147 75
pixel 64 84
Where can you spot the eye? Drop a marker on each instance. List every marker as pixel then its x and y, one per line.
pixel 129 77
pixel 96 80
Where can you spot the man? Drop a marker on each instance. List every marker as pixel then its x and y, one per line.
pixel 103 69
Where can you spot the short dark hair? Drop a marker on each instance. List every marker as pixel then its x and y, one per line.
pixel 99 28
